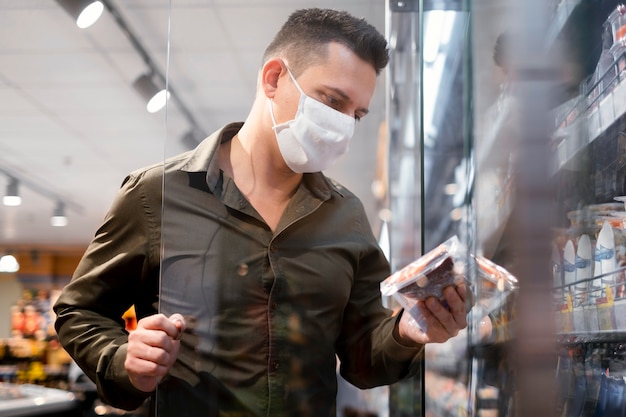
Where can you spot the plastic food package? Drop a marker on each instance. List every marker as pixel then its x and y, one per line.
pixel 450 264
pixel 427 276
pixel 496 285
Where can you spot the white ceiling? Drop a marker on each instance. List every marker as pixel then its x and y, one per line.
pixel 72 126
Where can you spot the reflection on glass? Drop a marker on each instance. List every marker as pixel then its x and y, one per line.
pixel 279 296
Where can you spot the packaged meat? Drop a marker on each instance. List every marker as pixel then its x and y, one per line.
pixel 450 263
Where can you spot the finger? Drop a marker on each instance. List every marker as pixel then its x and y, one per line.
pixel 435 329
pixel 164 324
pixel 455 297
pixel 456 305
pixel 462 292
pixel 156 338
pixel 425 311
pixel 144 375
pixel 443 317
pixel 179 322
pixel 148 363
pixel 466 293
pixel 153 322
pixel 153 348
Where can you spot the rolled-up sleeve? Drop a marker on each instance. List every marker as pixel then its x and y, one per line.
pixel 119 269
pixel 369 353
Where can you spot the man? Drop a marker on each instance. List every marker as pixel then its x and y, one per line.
pixel 268 268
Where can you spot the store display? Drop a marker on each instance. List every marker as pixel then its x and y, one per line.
pixel 37 376
pixel 592 292
pixel 591 317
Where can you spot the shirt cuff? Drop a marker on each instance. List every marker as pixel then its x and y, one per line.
pixel 116 389
pixel 398 349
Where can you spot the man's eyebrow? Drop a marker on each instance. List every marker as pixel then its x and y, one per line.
pixel 344 96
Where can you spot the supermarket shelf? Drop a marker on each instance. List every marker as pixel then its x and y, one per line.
pixel 594 122
pixel 603 336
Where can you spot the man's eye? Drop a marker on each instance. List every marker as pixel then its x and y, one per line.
pixel 332 101
pixel 357 117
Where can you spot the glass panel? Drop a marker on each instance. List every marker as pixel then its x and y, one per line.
pixel 405 166
pixel 518 70
pixel 508 169
pixel 264 309
pixel 72 128
pixel 447 147
pixel 496 114
pixel 430 170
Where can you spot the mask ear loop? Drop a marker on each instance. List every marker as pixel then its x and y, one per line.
pixel 294 80
pixel 272 113
pixel 302 95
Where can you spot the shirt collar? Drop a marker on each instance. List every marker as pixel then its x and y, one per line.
pixel 205 159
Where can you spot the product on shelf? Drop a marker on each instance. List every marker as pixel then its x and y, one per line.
pixel 584 268
pixel 569 263
pixel 592 297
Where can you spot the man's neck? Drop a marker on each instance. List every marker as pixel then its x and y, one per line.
pixel 257 168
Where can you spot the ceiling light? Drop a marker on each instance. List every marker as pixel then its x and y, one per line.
pixel 85 12
pixel 156 97
pixel 12 196
pixel 8 263
pixel 59 219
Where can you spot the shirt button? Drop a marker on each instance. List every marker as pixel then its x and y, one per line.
pixel 242 270
pixel 274 305
pixel 275 365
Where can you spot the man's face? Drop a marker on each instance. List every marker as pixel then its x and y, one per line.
pixel 342 81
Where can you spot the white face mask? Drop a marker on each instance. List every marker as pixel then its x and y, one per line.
pixel 316 137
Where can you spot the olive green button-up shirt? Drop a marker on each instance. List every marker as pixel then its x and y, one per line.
pixel 267 312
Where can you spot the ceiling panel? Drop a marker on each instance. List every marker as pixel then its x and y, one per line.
pixel 71 123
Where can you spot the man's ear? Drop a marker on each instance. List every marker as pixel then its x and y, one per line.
pixel 272 70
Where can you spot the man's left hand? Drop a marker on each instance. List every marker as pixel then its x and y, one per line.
pixel 442 322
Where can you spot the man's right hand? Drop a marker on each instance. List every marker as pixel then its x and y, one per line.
pixel 152 349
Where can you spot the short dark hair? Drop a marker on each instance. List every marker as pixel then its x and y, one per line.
pixel 304 37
